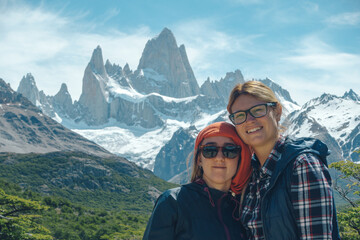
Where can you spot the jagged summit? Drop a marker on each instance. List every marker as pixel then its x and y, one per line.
pixel 63 88
pixel 24 129
pixel 97 63
pixel 167 36
pixel 222 88
pixel 63 95
pixel 4 87
pixel 127 69
pixel 28 88
pixel 278 89
pixel 166 59
pixel 8 95
pixel 351 95
pixel 94 95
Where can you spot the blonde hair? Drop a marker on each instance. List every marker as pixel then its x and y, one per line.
pixel 253 88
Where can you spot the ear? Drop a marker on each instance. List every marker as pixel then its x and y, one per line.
pixel 278 111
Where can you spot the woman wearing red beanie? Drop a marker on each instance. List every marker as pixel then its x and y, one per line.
pixel 206 208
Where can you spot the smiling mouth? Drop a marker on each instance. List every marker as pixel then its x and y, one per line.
pixel 253 130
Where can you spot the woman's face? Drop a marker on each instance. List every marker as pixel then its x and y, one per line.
pixel 219 170
pixel 257 132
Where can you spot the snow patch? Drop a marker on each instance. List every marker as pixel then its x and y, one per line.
pixel 137 144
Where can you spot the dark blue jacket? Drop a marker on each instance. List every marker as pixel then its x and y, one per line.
pixel 277 212
pixel 194 212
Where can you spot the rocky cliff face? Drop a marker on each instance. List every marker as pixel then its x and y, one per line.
pixel 24 129
pixel 222 88
pixel 175 156
pixel 94 97
pixel 166 68
pixel 278 90
pixel 63 103
pixel 28 88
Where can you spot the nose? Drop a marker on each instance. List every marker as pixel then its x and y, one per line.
pixel 249 117
pixel 220 155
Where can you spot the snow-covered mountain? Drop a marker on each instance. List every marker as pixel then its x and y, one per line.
pixel 151 115
pixel 330 116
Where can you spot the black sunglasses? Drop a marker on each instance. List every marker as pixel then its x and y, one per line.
pixel 229 151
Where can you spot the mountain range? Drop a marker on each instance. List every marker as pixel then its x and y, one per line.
pixel 151 115
pixel 40 154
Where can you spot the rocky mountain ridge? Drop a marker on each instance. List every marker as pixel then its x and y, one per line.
pixel 142 114
pixel 331 118
pixel 24 128
pixel 163 86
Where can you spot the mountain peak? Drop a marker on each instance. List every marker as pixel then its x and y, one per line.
pixel 234 76
pixel 63 88
pixel 351 95
pixel 29 78
pixel 5 86
pixel 8 95
pixel 63 100
pixel 28 89
pixel 165 58
pixel 127 69
pixel 167 34
pixel 97 63
pixel 278 90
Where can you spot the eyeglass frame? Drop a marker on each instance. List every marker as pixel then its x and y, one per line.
pixel 237 147
pixel 269 104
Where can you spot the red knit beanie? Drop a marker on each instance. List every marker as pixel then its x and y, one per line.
pixel 225 129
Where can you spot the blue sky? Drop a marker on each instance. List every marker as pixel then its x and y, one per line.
pixel 308 47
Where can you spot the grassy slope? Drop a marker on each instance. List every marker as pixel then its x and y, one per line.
pixel 89 197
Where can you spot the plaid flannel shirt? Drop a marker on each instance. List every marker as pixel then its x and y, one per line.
pixel 311 195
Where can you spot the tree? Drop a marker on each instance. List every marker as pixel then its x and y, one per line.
pixel 18 221
pixel 349 219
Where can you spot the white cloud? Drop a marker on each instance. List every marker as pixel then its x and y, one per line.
pixel 52 48
pixel 314 53
pixel 208 48
pixel 349 18
pixel 315 67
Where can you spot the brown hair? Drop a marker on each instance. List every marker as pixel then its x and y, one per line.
pixel 226 130
pixel 254 88
pixel 197 171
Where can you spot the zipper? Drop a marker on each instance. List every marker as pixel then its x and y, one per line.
pixel 227 233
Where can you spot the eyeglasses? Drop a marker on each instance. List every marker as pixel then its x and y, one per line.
pixel 230 151
pixel 256 111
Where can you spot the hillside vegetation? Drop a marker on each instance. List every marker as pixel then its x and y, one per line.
pixel 78 196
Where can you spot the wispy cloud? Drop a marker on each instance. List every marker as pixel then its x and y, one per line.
pixel 51 47
pixel 348 18
pixel 314 53
pixel 208 47
pixel 322 67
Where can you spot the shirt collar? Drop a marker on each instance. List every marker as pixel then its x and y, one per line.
pixel 269 166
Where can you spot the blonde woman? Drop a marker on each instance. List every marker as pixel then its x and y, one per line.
pixel 289 195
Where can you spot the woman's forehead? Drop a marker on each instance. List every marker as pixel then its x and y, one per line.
pixel 244 102
pixel 217 140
